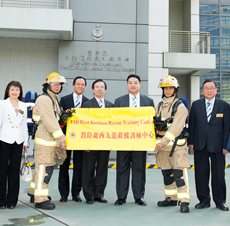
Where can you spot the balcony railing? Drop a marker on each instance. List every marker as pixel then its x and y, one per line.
pixel 46 4
pixel 189 42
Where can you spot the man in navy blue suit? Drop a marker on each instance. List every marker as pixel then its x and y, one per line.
pixel 208 136
pixel 137 158
pixel 73 100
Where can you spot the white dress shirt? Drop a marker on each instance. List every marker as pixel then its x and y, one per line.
pixel 103 102
pixel 75 98
pixel 137 100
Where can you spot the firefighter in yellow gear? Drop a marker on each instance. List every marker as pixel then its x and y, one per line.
pixel 48 137
pixel 174 168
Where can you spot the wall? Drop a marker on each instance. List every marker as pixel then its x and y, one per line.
pixel 28 61
pixel 122 51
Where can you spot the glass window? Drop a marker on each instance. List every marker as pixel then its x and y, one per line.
pixel 225 76
pixel 225 53
pixel 225 87
pixel 214 75
pixel 225 20
pixel 215 42
pixel 217 65
pixel 225 42
pixel 225 64
pixel 225 31
pixel 209 9
pixel 214 31
pixel 215 51
pixel 225 9
pixel 226 97
pixel 209 20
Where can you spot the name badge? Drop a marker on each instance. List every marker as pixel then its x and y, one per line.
pixel 20 111
pixel 219 115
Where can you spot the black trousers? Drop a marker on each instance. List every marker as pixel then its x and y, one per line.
pixel 124 160
pixel 202 174
pixel 63 179
pixel 94 178
pixel 10 161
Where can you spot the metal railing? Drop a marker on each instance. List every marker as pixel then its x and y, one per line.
pixel 46 4
pixel 189 42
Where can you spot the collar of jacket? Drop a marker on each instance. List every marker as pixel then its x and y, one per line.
pixel 53 95
pixel 169 100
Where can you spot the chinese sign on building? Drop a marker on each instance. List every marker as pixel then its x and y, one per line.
pixel 111 129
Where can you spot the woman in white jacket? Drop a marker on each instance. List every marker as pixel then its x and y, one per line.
pixel 13 140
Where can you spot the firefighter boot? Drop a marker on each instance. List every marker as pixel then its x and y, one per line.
pixel 32 198
pixel 46 205
pixel 167 202
pixel 184 207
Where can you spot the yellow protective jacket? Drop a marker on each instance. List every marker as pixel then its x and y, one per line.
pixel 49 133
pixel 177 125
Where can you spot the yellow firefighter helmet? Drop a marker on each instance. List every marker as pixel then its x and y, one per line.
pixel 55 77
pixel 169 81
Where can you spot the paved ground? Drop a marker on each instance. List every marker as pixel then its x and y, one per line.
pixel 72 213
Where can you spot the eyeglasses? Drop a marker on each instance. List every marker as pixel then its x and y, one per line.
pixel 212 88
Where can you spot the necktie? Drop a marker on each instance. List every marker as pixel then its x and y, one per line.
pixel 77 103
pixel 100 103
pixel 134 104
pixel 209 111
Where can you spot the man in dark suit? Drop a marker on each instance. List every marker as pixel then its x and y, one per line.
pixel 137 158
pixel 73 100
pixel 94 186
pixel 208 136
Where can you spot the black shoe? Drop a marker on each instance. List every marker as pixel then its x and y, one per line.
pixel 222 206
pixel 184 207
pixel 89 201
pixel 141 202
pixel 32 198
pixel 119 202
pixel 100 199
pixel 46 205
pixel 10 206
pixel 2 207
pixel 63 199
pixel 77 199
pixel 167 202
pixel 202 205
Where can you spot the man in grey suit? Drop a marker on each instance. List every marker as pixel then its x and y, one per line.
pixel 73 100
pixel 94 183
pixel 137 158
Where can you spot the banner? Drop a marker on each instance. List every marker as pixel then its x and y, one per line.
pixel 111 129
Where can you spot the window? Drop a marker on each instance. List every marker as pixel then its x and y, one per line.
pixel 225 9
pixel 225 54
pixel 225 20
pixel 215 42
pixel 225 64
pixel 225 42
pixel 209 9
pixel 214 31
pixel 209 20
pixel 225 31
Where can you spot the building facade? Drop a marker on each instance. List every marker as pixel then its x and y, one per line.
pixel 215 18
pixel 104 39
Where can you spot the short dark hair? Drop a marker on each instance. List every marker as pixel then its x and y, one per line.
pixel 99 80
pixel 16 84
pixel 134 76
pixel 208 80
pixel 79 77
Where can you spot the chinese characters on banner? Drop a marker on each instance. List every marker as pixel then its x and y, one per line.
pixel 111 129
